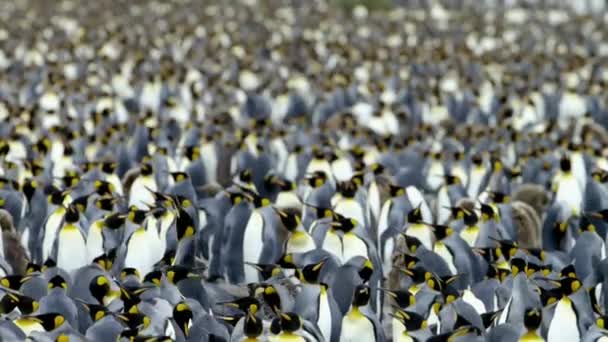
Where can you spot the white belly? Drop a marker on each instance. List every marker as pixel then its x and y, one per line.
pixel 300 242
pixel 441 250
pixel 477 304
pixel 564 325
pixel 443 201
pixel 389 247
pixel 417 199
pixel 139 196
pixel 287 199
pixel 398 330
pixel 569 193
pixel 373 200
pixel 383 220
pixel 475 182
pixel 350 208
pixel 210 161
pixel 95 241
pixel 357 329
pixel 115 181
pixel 333 245
pixel 353 246
pixel 423 233
pixel 252 244
pixel 324 320
pixel 291 167
pixel 469 235
pixel 342 170
pixel 138 253
pixel 434 177
pixel 50 232
pixel 71 250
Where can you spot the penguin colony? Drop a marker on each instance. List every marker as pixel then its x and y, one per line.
pixel 290 171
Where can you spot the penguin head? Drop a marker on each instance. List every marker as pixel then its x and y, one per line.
pixel 395 190
pixel 100 287
pixel 108 167
pixel 49 321
pixel 146 169
pixel 32 268
pixel 533 318
pixel 10 301
pixel 411 320
pixel 96 312
pixel 347 189
pixel 442 231
pixel 412 243
pixel 184 225
pixel 136 216
pixel 105 203
pixel 452 180
pixel 135 321
pixel 192 153
pixel 246 176
pixel 129 273
pixel 153 277
pixel 56 196
pixel 275 326
pixel 403 299
pixel 568 285
pixel 487 212
pixel 71 214
pixel 14 281
pixel 568 271
pixel 518 265
pixel 343 223
pixel 317 179
pixel 565 165
pixel 29 187
pixel 290 322
pixel 114 221
pixel 415 215
pixel 182 314
pixel 366 270
pixel 286 261
pixel 361 296
pixel 290 220
pixel 57 282
pixel 104 188
pixel 602 322
pixel 408 260
pixel 81 203
pixel 176 273
pixel 267 271
pixel 253 326
pixel 179 176
pixel 259 201
pixel 310 273
pixel 271 297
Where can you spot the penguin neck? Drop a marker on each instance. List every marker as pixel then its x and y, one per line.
pixel 355 312
pixel 531 336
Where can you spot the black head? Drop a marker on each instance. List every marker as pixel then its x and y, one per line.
pixel 533 318
pixel 182 314
pixel 291 322
pixel 361 295
pixel 57 282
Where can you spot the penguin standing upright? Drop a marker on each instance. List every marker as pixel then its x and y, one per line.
pixel 359 324
pixel 70 248
pixel 568 191
pixel 140 194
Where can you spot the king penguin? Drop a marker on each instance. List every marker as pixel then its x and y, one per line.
pixel 70 248
pixel 359 324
